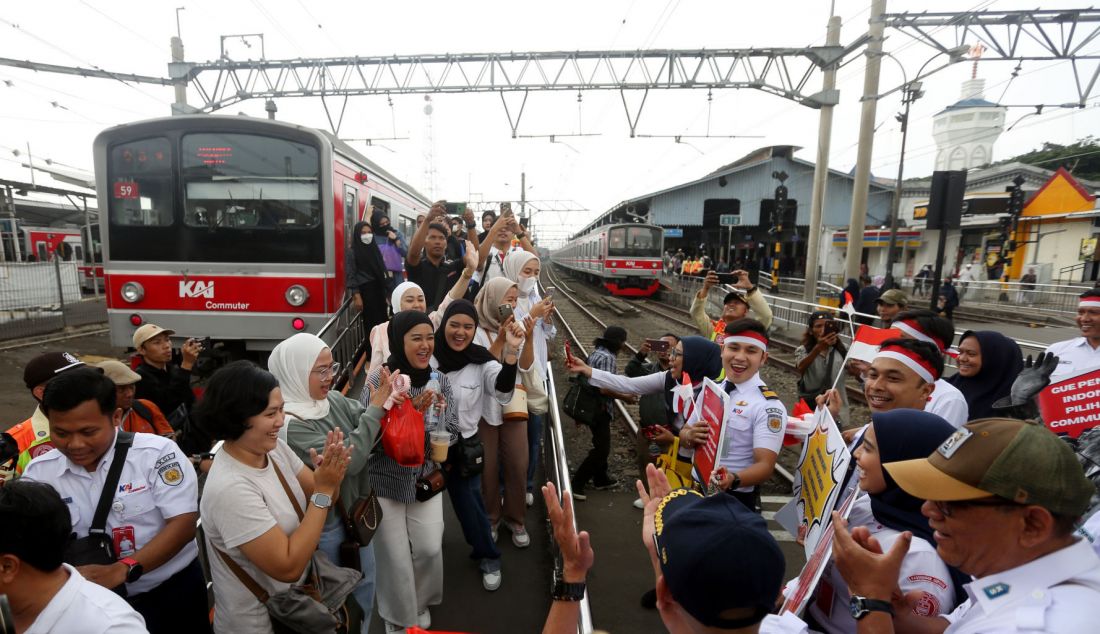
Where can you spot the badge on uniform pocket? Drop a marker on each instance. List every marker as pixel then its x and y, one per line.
pixel 124 540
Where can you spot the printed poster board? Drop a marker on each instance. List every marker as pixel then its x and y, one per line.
pixel 1072 406
pixel 710 409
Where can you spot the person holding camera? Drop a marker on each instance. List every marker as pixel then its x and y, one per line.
pixel 819 359
pixel 427 262
pixel 498 244
pixel 163 382
pixel 735 305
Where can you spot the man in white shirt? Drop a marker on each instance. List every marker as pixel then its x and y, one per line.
pixel 47 596
pixel 946 401
pixel 154 510
pixel 498 244
pixel 1004 497
pixel 1080 354
pixel 755 417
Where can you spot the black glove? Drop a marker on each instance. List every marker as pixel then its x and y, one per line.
pixel 1032 379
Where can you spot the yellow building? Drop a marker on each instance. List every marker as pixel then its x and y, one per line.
pixel 1056 226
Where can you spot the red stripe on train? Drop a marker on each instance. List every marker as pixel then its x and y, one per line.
pixel 216 293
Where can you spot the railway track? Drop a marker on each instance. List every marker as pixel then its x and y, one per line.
pixel 581 323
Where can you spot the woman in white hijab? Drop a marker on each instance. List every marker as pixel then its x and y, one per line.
pixel 523 268
pixel 409 296
pixel 305 370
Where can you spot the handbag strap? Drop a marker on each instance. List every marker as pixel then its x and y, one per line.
pixel 122 447
pixel 289 493
pixel 246 579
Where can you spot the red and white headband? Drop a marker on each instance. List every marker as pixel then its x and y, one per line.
pixel 1089 302
pixel 911 328
pixel 909 359
pixel 749 338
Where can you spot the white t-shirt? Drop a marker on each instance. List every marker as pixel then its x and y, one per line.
pixel 157 483
pixel 921 570
pixel 88 608
pixel 473 388
pixel 239 504
pixel 948 403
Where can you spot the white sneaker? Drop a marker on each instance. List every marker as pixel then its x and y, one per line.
pixel 530 498
pixel 424 619
pixel 519 536
pixel 639 504
pixel 490 580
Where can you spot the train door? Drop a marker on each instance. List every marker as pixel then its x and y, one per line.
pixel 41 250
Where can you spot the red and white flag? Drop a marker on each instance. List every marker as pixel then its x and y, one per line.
pixel 683 397
pixel 867 341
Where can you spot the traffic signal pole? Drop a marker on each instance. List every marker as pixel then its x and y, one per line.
pixel 1015 208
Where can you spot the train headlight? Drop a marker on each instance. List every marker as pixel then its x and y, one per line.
pixel 297 295
pixel 133 292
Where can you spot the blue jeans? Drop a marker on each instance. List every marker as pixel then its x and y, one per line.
pixel 331 536
pixel 470 508
pixel 534 448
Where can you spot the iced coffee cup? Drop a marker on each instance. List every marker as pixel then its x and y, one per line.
pixel 441 440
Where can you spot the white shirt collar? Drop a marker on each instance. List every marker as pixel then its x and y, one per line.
pixel 994 592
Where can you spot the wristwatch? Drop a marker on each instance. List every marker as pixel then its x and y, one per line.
pixel 320 500
pixel 471 225
pixel 567 591
pixel 736 484
pixel 134 570
pixel 862 606
pixel 521 235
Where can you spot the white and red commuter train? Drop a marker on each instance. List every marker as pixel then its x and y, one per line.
pixel 70 244
pixel 624 258
pixel 231 227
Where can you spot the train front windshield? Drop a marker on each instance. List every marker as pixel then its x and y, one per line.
pixel 216 197
pixel 634 242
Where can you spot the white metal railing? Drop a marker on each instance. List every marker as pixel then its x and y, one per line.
pixel 1051 299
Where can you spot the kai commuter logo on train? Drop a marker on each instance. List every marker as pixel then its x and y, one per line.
pixel 196 289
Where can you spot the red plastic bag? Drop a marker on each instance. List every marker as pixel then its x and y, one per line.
pixel 403 434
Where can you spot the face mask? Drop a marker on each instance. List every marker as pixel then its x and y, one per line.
pixel 366 238
pixel 527 285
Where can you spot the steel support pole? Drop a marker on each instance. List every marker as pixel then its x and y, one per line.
pixel 179 86
pixel 891 250
pixel 821 171
pixel 861 186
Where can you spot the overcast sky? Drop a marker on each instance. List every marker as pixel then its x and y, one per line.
pixel 474 155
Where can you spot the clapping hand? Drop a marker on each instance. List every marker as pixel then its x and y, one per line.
pixel 332 464
pixel 470 258
pixel 515 335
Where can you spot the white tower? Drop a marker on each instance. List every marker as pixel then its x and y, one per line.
pixel 966 130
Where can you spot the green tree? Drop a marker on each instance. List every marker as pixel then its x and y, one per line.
pixel 1080 158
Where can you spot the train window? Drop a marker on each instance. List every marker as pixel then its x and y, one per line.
pixel 250 182
pixel 140 173
pixel 351 211
pixel 640 241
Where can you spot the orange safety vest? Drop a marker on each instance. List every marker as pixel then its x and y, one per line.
pixel 32 436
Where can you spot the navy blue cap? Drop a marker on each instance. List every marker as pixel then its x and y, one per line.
pixel 717 555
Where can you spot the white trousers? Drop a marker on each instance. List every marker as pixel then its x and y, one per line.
pixel 408 548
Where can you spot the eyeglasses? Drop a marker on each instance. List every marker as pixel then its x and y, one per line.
pixel 327 371
pixel 947 509
pixel 674 353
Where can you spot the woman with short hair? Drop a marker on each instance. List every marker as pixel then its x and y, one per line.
pixel 254 492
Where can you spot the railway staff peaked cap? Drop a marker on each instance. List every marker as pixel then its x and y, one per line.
pixel 717 555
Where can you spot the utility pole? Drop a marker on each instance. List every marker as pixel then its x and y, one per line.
pixel 821 169
pixel 910 93
pixel 523 194
pixel 179 85
pixel 861 186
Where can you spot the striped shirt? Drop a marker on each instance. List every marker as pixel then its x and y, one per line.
pixel 389 479
pixel 603 359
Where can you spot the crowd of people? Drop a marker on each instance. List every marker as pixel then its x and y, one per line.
pixel 971 518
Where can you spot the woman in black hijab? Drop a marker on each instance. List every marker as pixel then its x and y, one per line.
pixel 850 293
pixel 479 376
pixel 886 512
pixel 366 276
pixel 988 364
pixel 391 242
pixel 409 540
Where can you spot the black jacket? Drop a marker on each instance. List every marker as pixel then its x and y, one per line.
pixel 168 388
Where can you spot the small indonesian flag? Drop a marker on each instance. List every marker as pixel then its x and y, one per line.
pixel 683 397
pixel 867 341
pixel 800 409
